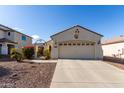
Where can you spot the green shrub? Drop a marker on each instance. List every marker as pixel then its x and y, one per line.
pixel 14 54
pixel 28 52
pixel 47 54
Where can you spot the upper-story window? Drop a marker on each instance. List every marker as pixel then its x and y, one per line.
pixel 24 38
pixel 99 42
pixel 8 33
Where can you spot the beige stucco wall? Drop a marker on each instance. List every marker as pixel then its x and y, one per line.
pixel 2 34
pixel 17 38
pixel 98 52
pixel 83 35
pixel 11 37
pixel 116 49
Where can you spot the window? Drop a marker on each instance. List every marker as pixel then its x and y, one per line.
pixel 69 44
pixel 83 44
pixel 65 44
pixel 74 44
pixel 78 44
pixel 99 42
pixel 8 33
pixel 23 44
pixel 24 38
pixel 60 44
pixel 92 44
pixel 87 44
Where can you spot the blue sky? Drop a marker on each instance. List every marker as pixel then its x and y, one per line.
pixel 45 21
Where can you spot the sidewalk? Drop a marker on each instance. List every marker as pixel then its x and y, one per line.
pixel 40 61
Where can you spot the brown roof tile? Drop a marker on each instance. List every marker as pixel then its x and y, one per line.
pixel 113 40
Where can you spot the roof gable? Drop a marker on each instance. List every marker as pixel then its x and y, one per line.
pixel 80 27
pixel 5 28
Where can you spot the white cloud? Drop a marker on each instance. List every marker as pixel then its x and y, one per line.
pixel 35 37
pixel 18 29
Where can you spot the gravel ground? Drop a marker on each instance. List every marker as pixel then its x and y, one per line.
pixel 119 65
pixel 26 75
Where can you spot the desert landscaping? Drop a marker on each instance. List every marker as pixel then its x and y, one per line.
pixel 26 75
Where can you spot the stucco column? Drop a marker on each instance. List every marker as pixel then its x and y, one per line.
pixel 36 50
pixel 4 50
pixel 98 51
pixel 54 51
pixel 95 50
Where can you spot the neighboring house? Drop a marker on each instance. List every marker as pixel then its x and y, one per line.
pixel 10 38
pixel 114 47
pixel 76 42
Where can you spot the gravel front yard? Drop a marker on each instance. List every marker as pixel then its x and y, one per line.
pixel 26 75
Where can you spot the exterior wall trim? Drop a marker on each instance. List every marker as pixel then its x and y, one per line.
pixel 113 42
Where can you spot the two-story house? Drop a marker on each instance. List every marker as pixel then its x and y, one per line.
pixel 10 38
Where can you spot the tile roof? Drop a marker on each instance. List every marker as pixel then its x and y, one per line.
pixel 113 40
pixel 2 40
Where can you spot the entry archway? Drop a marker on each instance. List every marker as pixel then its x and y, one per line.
pixel 40 43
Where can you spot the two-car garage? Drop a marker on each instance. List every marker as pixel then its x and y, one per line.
pixel 77 50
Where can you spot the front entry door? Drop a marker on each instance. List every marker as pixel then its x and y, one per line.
pixel 10 47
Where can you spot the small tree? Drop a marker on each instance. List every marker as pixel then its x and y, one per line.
pixel 14 54
pixel 28 52
pixel 47 53
pixel 40 51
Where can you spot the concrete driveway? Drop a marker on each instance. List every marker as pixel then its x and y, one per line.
pixel 85 73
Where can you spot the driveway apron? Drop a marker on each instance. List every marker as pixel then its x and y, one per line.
pixel 86 73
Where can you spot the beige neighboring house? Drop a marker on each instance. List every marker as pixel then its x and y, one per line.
pixel 76 42
pixel 10 38
pixel 114 47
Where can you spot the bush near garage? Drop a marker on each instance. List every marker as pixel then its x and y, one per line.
pixel 28 52
pixel 47 53
pixel 15 54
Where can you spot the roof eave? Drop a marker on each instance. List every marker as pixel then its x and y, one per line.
pixel 10 29
pixel 76 26
pixel 108 43
pixel 90 31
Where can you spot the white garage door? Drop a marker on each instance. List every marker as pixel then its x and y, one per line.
pixel 76 51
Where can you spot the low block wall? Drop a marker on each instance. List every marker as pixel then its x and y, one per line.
pixel 113 59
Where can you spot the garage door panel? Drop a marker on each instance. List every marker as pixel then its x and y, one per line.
pixel 83 52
